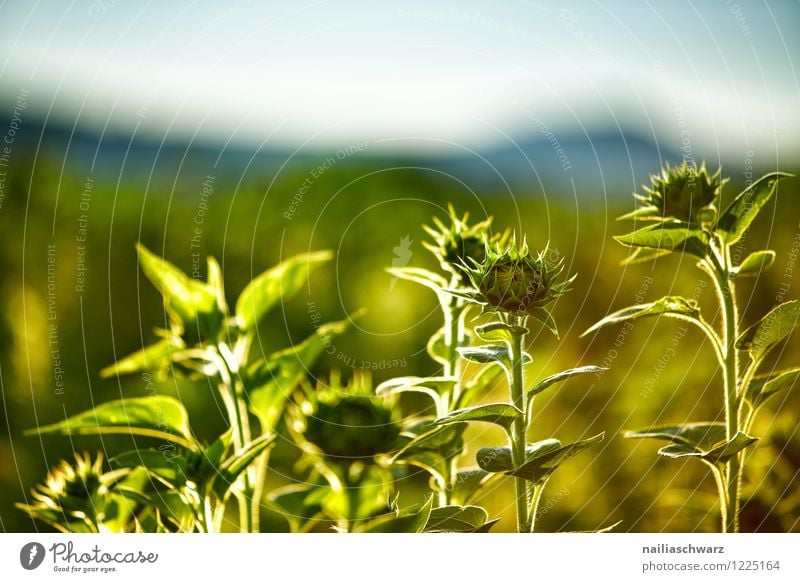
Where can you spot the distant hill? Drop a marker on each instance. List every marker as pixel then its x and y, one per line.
pixel 596 165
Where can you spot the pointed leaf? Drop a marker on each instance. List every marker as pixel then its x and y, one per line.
pixel 157 356
pixel 161 417
pixel 762 387
pixel 455 518
pixel 700 435
pixel 270 382
pixel 500 414
pixel 434 386
pixel 485 376
pixel 277 284
pixel 756 262
pixel 738 216
pixel 444 442
pixel 216 283
pixel 296 503
pixel 191 302
pixel 170 468
pixel 721 453
pixel 543 385
pixel 437 349
pixel 642 255
pixel 670 236
pixel 413 522
pixel 420 276
pixel 671 304
pixel 499 331
pixel 467 483
pixel 760 338
pixel 550 454
pixel 237 463
pixel 486 354
pixel 545 318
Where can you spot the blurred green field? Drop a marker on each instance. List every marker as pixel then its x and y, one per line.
pixel 73 301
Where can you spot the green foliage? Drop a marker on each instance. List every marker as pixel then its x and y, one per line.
pixel 280 282
pixel 683 200
pixel 190 483
pixel 760 338
pixel 161 417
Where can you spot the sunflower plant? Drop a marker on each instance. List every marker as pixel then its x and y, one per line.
pixel 187 484
pixel 683 203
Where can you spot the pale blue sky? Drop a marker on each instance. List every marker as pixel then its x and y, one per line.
pixel 332 72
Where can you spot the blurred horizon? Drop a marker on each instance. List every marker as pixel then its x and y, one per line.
pixel 439 76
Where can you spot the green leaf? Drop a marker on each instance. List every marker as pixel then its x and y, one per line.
pixel 500 414
pixel 192 303
pixel 437 349
pixel 642 255
pixel 670 236
pixel 669 305
pixel 161 417
pixel 216 283
pixel 543 385
pixel 486 354
pixel 121 502
pixel 760 338
pixel 754 263
pixel 545 318
pixel 431 446
pixel 495 459
pixel 721 453
pixel 269 382
pixel 546 456
pixel 433 386
pixel 700 435
pixel 278 283
pixel 363 494
pixel 763 387
pixel 421 276
pixel 705 440
pixel 738 216
pixel 485 376
pixel 413 522
pixel 491 355
pixel 467 483
pixel 236 464
pixel 455 518
pixel 152 358
pixel 296 503
pixel 170 468
pixel 499 331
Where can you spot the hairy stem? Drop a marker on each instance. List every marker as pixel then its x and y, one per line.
pixel 454 335
pixel 519 428
pixel 730 331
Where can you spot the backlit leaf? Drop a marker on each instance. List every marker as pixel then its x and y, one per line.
pixel 277 284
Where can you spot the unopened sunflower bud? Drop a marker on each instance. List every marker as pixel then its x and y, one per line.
pixel 515 281
pixel 685 193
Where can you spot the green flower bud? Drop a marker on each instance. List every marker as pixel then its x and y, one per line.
pixel 347 423
pixel 355 428
pixel 685 193
pixel 460 244
pixel 515 281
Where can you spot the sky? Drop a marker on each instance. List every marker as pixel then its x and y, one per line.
pixel 410 74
